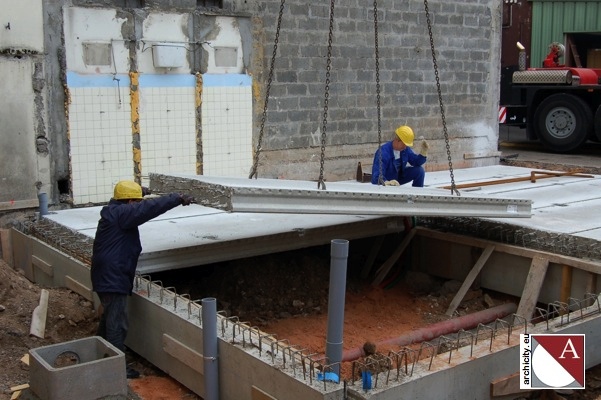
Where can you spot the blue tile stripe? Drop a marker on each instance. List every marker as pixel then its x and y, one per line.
pixel 76 80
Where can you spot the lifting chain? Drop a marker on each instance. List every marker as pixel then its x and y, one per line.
pixel 253 171
pixel 444 123
pixel 320 183
pixel 380 177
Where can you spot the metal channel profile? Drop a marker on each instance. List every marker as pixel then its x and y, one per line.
pixel 349 198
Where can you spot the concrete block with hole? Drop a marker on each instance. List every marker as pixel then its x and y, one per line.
pixel 88 368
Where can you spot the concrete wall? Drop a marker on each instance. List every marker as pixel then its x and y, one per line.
pixel 24 140
pixel 136 105
pixel 91 47
pixel 167 334
pixel 504 273
pixel 467 40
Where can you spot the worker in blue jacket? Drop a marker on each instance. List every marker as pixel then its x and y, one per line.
pixel 115 254
pixel 399 163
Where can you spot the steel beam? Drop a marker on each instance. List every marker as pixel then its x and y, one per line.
pixel 349 198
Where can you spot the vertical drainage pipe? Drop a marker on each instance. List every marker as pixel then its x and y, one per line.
pixel 338 263
pixel 209 348
pixel 43 201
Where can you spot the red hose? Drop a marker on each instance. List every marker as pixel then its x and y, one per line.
pixel 441 328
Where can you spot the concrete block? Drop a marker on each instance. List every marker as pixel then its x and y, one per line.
pixel 83 369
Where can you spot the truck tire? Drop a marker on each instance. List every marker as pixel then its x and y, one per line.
pixel 563 122
pixel 598 124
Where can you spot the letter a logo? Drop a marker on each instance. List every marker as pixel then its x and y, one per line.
pixel 558 361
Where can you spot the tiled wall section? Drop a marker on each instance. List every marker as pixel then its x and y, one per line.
pixel 227 125
pixel 101 130
pixel 167 124
pixel 100 136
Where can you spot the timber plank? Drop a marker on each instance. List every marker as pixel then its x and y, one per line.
pixel 471 276
pixel 183 353
pixel 579 263
pixel 532 287
pixel 506 386
pixel 385 268
pixel 375 249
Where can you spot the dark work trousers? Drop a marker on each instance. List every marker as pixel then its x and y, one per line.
pixel 113 321
pixel 412 174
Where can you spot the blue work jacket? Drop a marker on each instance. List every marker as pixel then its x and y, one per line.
pixel 117 243
pixel 391 168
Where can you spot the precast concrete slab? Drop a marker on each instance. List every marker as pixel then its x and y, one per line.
pixel 349 198
pixel 562 205
pixel 197 235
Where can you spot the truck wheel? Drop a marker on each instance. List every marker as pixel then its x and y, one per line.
pixel 563 122
pixel 598 124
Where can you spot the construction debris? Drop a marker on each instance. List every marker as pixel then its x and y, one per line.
pixel 38 319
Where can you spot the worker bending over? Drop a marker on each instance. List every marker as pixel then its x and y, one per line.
pixel 115 254
pixel 400 164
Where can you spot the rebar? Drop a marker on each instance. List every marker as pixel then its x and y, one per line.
pixel 264 335
pixel 558 309
pixel 399 356
pixel 139 278
pixel 447 343
pixel 504 324
pixel 485 327
pixel 312 363
pixel 171 290
pixel 276 344
pixel 470 335
pixel 239 325
pixel 433 350
pixel 329 367
pixel 355 366
pixel 199 308
pixel 155 283
pixel 522 320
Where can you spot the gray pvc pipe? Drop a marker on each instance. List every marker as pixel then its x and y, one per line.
pixel 43 200
pixel 338 263
pixel 209 348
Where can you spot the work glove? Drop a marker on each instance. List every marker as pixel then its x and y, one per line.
pixel 393 182
pixel 145 191
pixel 187 200
pixel 424 146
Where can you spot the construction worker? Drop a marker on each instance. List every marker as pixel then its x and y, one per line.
pixel 399 164
pixel 115 254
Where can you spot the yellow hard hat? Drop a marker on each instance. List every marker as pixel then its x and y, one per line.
pixel 405 133
pixel 127 190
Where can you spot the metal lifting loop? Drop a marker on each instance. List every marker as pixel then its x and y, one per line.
pixel 320 183
pixel 380 177
pixel 444 123
pixel 253 171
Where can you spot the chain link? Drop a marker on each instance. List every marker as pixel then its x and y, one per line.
pixel 320 183
pixel 253 171
pixel 377 51
pixel 442 113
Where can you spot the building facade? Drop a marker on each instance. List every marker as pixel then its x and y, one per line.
pixel 100 91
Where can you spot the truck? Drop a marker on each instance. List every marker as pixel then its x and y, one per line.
pixel 558 105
